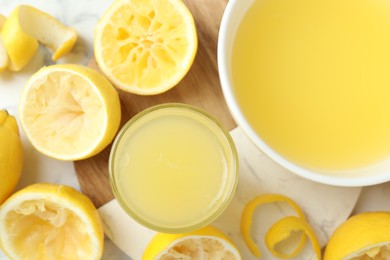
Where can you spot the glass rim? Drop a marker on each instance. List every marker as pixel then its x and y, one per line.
pixel 229 189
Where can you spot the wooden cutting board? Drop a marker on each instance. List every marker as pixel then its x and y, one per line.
pixel 200 87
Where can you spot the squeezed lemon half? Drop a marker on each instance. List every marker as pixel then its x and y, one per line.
pixel 145 47
pixel 205 243
pixel 50 221
pixel 69 112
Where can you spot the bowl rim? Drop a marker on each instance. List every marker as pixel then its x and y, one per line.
pixel 227 89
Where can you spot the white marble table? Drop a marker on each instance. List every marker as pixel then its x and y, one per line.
pixel 82 15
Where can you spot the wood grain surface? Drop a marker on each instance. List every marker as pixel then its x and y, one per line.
pixel 200 87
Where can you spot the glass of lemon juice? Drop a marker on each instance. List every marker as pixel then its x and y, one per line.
pixel 173 168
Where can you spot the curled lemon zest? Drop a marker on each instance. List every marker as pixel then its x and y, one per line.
pixel 280 231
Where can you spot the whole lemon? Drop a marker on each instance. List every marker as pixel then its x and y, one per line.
pixel 11 155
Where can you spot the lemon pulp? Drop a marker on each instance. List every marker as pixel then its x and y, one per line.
pixel 47 221
pixel 69 112
pixel 207 242
pixel 59 230
pixel 146 47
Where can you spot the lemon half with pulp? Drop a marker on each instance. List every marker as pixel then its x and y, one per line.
pixel 146 47
pixel 50 221
pixel 205 243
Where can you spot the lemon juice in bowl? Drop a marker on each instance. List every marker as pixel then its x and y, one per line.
pixel 173 168
pixel 309 82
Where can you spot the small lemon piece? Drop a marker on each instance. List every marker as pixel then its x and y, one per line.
pixel 11 155
pixel 287 237
pixel 146 47
pixel 20 46
pixel 365 236
pixel 26 27
pixel 3 51
pixel 69 112
pixel 205 243
pixel 47 30
pixel 49 221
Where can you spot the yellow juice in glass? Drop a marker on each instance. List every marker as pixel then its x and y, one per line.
pixel 312 77
pixel 173 168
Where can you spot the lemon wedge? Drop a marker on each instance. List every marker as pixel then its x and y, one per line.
pixel 26 27
pixel 3 51
pixel 205 243
pixel 365 236
pixel 11 155
pixel 69 112
pixel 145 47
pixel 285 238
pixel 49 221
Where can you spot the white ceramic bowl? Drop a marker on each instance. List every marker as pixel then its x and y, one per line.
pixel 234 13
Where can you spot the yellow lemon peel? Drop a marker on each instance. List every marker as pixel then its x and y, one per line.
pixel 280 232
pixel 26 27
pixel 11 155
pixel 3 51
pixel 278 237
pixel 48 31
